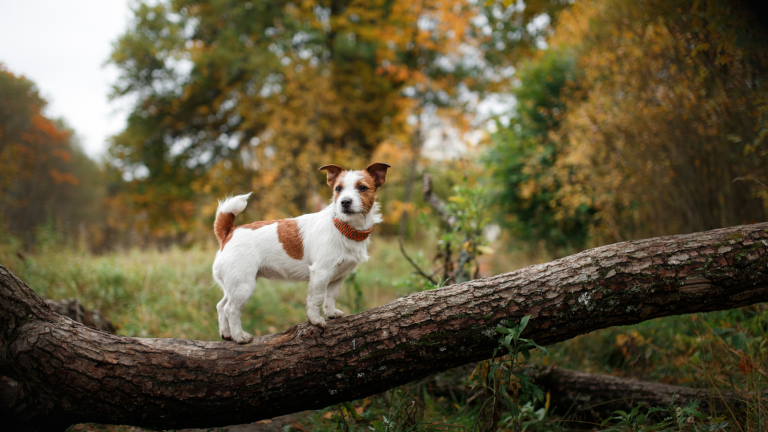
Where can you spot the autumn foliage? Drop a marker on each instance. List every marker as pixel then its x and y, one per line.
pixel 45 177
pixel 650 119
pixel 631 119
pixel 255 96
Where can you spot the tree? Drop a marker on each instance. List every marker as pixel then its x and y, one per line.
pixel 670 111
pixel 254 96
pixel 523 157
pixel 45 178
pixel 68 373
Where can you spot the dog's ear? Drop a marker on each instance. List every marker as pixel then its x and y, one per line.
pixel 378 171
pixel 332 171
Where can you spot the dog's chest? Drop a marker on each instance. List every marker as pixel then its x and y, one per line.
pixel 344 268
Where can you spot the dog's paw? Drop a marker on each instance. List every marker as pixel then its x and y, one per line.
pixel 243 338
pixel 335 314
pixel 227 338
pixel 318 321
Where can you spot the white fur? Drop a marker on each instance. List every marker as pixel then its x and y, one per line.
pixel 235 204
pixel 328 258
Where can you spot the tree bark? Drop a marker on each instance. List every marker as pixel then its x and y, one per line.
pixel 70 373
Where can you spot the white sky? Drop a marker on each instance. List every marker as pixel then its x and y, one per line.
pixel 61 45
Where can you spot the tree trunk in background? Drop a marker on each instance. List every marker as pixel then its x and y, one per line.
pixel 70 373
pixel 416 144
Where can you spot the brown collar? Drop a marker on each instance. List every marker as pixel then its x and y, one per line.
pixel 351 233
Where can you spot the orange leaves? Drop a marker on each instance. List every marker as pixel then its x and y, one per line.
pixel 746 364
pixel 62 154
pixel 61 177
pixel 44 176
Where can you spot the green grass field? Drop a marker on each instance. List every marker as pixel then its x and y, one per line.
pixel 172 294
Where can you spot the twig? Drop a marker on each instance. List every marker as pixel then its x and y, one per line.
pixel 750 178
pixel 436 202
pixel 416 266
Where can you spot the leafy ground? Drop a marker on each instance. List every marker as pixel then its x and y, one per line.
pixel 171 294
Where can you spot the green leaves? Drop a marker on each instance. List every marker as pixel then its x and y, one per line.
pixel 512 341
pixel 635 421
pixel 502 375
pixel 529 191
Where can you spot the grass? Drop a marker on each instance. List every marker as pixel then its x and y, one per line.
pixel 171 294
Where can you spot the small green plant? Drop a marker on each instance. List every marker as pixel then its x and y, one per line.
pixel 680 419
pixel 461 239
pixel 404 415
pixel 343 412
pixel 467 210
pixel 504 374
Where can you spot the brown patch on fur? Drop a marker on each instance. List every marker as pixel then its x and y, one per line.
pixel 332 173
pixel 252 225
pixel 289 236
pixel 339 181
pixel 367 197
pixel 378 172
pixel 222 227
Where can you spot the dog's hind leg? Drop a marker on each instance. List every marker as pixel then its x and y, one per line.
pixel 237 298
pixel 224 331
pixel 330 299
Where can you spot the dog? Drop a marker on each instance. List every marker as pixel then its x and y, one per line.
pixel 322 248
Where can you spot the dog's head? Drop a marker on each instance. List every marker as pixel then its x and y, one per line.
pixel 354 192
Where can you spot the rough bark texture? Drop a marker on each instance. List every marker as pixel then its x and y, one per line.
pixel 72 308
pixel 593 397
pixel 11 391
pixel 71 373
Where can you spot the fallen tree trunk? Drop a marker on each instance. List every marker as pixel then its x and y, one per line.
pixel 11 392
pixel 591 397
pixel 71 373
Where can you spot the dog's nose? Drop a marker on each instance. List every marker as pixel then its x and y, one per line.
pixel 346 202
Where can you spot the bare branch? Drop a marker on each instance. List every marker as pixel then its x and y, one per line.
pixel 436 202
pixel 415 266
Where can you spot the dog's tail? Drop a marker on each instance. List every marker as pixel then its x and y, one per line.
pixel 225 216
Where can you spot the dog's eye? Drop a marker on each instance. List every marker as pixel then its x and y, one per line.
pixel 338 189
pixel 362 188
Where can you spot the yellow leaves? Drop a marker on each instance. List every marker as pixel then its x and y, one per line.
pixel 654 108
pixel 628 344
pixel 704 46
pixel 347 413
pixel 395 210
pixel 485 250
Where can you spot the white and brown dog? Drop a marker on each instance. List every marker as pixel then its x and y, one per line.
pixel 322 248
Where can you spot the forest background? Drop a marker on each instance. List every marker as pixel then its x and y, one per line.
pixel 611 120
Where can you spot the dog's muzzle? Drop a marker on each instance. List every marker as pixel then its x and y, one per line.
pixel 346 206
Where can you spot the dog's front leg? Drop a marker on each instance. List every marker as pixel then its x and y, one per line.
pixel 319 278
pixel 330 299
